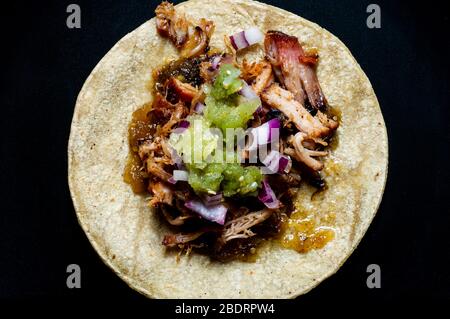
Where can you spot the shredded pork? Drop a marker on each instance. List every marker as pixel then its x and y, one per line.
pixel 259 74
pixel 171 24
pixel 284 101
pixel 288 86
pixel 191 38
pixel 303 154
pixel 161 194
pixel 183 91
pixel 174 240
pixel 240 227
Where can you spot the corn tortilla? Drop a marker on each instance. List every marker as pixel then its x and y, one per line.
pixel 122 228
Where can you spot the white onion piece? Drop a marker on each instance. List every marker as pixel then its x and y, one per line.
pixel 246 38
pixel 180 175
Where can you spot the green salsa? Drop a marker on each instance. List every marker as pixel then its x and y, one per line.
pixel 224 109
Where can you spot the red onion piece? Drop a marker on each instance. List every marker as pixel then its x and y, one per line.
pixel 238 41
pixel 199 107
pixel 177 160
pixel 267 196
pixel 246 38
pixel 276 162
pixel 214 213
pixel 284 164
pixel 248 92
pixel 273 124
pixel 211 200
pixel 215 62
pixel 262 134
pixel 184 124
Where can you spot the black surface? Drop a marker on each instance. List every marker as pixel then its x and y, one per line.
pixel 46 64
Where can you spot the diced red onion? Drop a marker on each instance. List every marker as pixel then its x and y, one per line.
pixel 238 40
pixel 273 124
pixel 184 124
pixel 277 163
pixel 267 196
pixel 211 200
pixel 246 38
pixel 248 92
pixel 172 180
pixel 262 134
pixel 199 107
pixel 215 62
pixel 180 175
pixel 214 213
pixel 177 160
pixel 284 164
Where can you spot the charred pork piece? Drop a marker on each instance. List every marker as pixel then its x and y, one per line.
pixel 234 249
pixel 284 52
pixel 315 179
pixel 271 226
pixel 186 70
pixel 179 91
pixel 199 36
pixel 171 25
pixel 183 238
pixel 296 69
pixel 161 110
pixel 157 168
pixel 164 115
pixel 161 192
pixel 280 182
pixel 192 39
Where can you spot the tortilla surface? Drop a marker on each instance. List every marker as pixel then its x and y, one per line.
pixel 123 229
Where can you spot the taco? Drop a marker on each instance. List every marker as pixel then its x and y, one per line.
pixel 226 149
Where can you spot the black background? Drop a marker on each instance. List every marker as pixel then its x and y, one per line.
pixel 46 64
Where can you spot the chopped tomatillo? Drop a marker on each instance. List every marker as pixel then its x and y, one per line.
pixel 223 107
